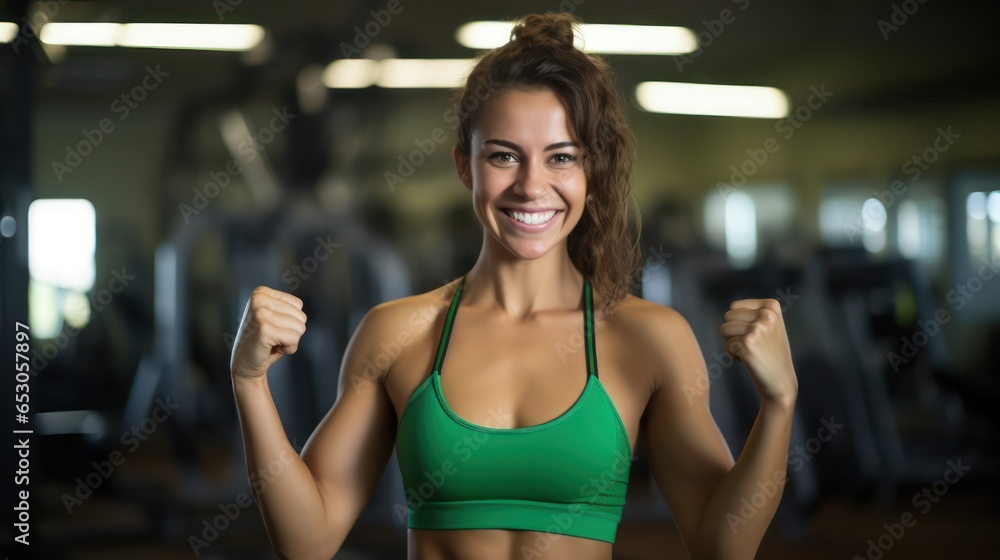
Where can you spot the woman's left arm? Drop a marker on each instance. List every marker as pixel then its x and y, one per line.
pixel 722 509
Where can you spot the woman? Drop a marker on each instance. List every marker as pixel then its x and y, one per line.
pixel 515 420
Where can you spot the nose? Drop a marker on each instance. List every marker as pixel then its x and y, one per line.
pixel 533 180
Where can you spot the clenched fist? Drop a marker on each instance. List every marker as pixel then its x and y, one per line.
pixel 754 333
pixel 272 324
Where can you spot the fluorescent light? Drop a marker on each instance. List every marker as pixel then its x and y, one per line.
pixel 81 34
pixel 220 37
pixel 397 72
pixel 597 38
pixel 154 35
pixel 8 31
pixel 424 72
pixel 351 73
pixel 638 39
pixel 710 99
pixel 484 34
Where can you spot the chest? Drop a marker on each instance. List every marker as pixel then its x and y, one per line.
pixel 516 376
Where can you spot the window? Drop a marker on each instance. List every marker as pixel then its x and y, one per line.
pixel 62 240
pixel 974 212
pixel 849 216
pixel 982 229
pixel 742 221
pixel 909 221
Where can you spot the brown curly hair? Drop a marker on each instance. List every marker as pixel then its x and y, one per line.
pixel 604 245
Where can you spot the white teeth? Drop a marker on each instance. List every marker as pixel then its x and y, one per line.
pixel 531 218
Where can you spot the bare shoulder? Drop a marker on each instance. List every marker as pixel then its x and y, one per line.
pixel 411 309
pixel 652 323
pixel 399 321
pixel 663 338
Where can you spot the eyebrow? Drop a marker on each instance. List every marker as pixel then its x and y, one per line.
pixel 514 146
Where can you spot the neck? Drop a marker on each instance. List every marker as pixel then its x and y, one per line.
pixel 520 288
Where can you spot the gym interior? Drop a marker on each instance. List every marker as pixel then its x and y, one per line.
pixel 152 174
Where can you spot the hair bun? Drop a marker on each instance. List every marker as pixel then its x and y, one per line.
pixel 539 29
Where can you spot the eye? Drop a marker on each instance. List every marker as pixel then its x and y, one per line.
pixel 564 159
pixel 503 158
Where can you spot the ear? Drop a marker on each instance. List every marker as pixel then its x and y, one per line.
pixel 463 168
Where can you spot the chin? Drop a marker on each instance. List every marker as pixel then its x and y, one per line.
pixel 528 251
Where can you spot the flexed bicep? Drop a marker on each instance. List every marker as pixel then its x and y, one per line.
pixel 351 446
pixel 688 455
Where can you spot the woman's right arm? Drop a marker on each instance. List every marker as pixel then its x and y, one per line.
pixel 310 503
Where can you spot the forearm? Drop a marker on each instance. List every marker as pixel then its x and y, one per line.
pixel 286 492
pixel 741 508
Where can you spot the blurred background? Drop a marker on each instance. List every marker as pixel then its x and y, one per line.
pixel 151 176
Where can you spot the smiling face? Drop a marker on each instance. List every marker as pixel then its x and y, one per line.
pixel 525 171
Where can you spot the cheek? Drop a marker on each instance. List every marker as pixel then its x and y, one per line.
pixel 482 202
pixel 575 189
pixel 488 187
pixel 576 196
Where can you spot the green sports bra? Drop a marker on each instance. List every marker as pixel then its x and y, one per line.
pixel 568 475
